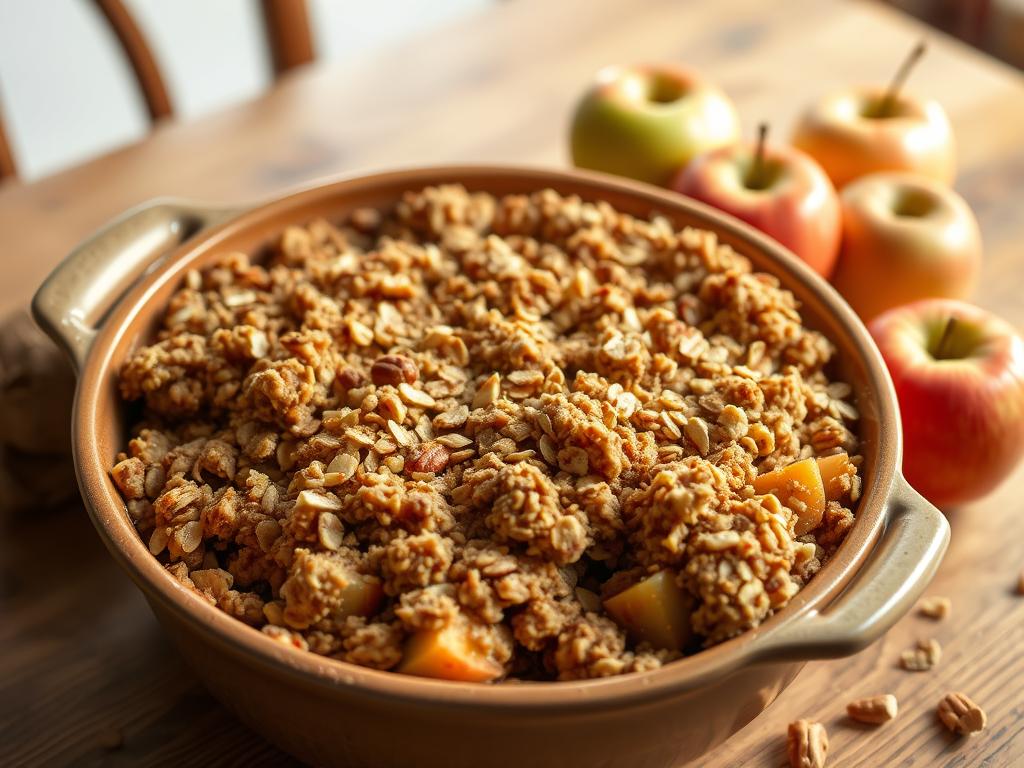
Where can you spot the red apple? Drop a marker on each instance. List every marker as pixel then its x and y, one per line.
pixel 905 237
pixel 785 194
pixel 646 122
pixel 959 376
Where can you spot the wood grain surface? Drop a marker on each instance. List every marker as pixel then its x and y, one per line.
pixel 86 677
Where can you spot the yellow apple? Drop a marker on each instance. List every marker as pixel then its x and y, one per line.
pixel 361 597
pixel 646 122
pixel 798 486
pixel 858 131
pixel 655 610
pixel 449 654
pixel 905 238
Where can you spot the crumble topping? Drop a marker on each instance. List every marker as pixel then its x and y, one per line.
pixel 487 415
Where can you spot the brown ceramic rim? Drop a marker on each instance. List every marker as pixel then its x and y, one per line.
pixel 778 638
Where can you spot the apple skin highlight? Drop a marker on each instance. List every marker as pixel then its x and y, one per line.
pixel 962 416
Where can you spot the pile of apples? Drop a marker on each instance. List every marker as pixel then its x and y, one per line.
pixel 863 196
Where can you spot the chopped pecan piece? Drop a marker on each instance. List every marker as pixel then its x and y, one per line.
pixel 430 457
pixel 807 744
pixel 393 370
pixel 961 715
pixel 874 710
pixel 924 656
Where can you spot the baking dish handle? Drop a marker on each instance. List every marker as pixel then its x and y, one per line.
pixel 73 301
pixel 886 588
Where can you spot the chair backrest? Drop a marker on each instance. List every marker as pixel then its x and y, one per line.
pixel 286 24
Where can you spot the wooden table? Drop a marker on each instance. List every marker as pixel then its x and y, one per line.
pixel 85 674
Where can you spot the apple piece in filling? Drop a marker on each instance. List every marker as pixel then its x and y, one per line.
pixel 655 610
pixel 449 653
pixel 361 597
pixel 798 486
pixel 837 473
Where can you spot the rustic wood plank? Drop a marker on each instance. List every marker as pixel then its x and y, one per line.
pixel 85 674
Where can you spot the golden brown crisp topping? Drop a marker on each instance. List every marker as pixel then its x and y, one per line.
pixel 483 414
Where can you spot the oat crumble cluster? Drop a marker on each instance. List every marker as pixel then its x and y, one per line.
pixel 488 414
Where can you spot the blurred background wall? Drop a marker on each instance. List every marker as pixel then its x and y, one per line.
pixel 67 92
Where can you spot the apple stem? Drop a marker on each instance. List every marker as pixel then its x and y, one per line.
pixel 755 179
pixel 893 91
pixel 947 334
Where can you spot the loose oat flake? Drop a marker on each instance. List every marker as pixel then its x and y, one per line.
pixel 480 417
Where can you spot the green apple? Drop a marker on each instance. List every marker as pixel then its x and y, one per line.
pixel 647 122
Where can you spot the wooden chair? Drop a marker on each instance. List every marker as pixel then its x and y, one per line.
pixel 288 36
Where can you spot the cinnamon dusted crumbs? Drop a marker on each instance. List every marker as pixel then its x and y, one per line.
pixel 483 413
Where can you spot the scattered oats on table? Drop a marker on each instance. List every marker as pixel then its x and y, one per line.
pixel 484 415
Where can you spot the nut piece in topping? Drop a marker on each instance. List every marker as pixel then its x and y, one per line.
pixel 961 715
pixel 799 487
pixel 935 607
pixel 807 744
pixel 924 656
pixel 430 457
pixel 874 710
pixel 393 370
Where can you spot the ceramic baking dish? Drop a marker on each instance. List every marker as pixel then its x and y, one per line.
pixel 104 300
